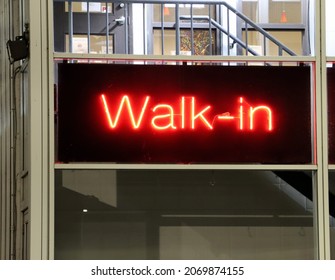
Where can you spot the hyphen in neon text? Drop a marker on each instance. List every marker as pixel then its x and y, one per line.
pixel 187 113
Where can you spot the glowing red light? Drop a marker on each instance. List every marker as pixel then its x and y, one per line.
pixel 125 99
pixel 169 116
pixel 252 115
pixel 199 116
pixel 165 116
pixel 226 116
pixel 241 113
pixel 183 112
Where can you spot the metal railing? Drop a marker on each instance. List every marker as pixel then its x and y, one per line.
pixel 225 31
pixel 248 26
pixel 222 26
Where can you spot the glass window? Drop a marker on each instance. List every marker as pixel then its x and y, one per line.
pixel 179 214
pixel 282 19
pixel 187 214
pixel 287 18
pixel 78 31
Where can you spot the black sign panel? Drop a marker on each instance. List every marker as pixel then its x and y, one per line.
pixel 127 113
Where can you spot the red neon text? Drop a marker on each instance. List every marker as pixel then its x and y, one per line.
pixel 188 115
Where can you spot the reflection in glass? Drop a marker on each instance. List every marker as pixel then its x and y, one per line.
pixel 291 39
pixel 183 214
pixel 273 11
pixel 285 11
pixel 97 44
pixel 169 11
pixel 251 10
pixel 94 7
pixel 201 45
pixel 169 47
pixel 201 42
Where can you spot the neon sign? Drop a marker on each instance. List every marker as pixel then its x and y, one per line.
pixel 176 118
pixel 127 113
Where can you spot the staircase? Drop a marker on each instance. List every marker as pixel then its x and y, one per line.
pixel 221 26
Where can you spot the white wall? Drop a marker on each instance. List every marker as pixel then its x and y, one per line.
pixel 137 21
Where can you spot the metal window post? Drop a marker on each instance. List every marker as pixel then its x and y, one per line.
pixel 177 22
pixel 70 18
pixel 321 189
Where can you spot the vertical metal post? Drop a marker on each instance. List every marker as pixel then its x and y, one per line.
pixel 321 188
pixel 70 16
pixel 126 7
pixel 264 45
pixel 88 28
pixel 280 51
pixel 228 32
pixel 107 29
pixel 39 172
pixel 192 30
pixel 50 215
pixel 246 38
pixel 144 30
pixel 210 30
pixel 177 30
pixel 162 27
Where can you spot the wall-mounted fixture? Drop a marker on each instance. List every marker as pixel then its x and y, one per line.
pixel 19 48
